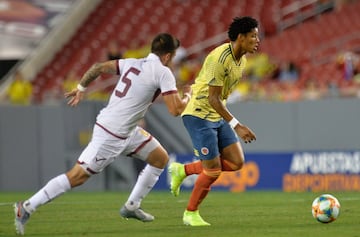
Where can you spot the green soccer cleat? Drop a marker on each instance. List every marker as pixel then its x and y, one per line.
pixel 177 174
pixel 193 218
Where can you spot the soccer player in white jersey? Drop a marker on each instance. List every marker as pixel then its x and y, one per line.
pixel 116 131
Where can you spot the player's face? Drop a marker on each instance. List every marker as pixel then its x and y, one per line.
pixel 251 41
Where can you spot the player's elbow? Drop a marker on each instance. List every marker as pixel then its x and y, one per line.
pixel 213 101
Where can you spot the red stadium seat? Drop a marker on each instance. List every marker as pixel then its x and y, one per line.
pixel 195 21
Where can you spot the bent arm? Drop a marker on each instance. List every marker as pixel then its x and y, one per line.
pixel 245 133
pixel 96 70
pixel 175 103
pixel 216 102
pixel 77 94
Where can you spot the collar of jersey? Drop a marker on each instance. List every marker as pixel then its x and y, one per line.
pixel 153 56
pixel 238 63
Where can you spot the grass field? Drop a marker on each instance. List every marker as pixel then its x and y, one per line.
pixel 230 214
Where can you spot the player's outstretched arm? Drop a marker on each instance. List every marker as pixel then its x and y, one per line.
pixel 245 133
pixel 77 94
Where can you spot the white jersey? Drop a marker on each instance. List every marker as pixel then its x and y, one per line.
pixel 140 82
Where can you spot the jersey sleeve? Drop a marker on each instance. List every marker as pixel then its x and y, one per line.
pixel 167 82
pixel 215 72
pixel 120 66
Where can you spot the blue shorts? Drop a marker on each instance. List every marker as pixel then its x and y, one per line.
pixel 209 138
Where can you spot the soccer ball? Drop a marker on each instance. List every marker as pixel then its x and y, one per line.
pixel 325 208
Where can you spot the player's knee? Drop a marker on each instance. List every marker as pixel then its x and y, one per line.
pixel 239 163
pixel 158 158
pixel 77 176
pixel 76 181
pixel 160 163
pixel 232 165
pixel 214 173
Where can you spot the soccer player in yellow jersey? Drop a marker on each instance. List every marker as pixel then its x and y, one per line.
pixel 214 131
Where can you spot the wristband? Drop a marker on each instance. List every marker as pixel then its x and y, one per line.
pixel 81 88
pixel 187 95
pixel 233 122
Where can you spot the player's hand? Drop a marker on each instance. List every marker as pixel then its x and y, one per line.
pixel 75 97
pixel 245 133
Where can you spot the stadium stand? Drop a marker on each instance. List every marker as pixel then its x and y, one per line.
pixel 315 44
pixel 296 32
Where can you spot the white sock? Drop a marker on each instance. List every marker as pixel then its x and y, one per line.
pixel 145 182
pixel 54 188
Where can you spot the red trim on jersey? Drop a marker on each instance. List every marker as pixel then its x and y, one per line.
pixel 106 130
pixel 117 68
pixel 91 171
pixel 87 168
pixel 169 92
pixel 141 146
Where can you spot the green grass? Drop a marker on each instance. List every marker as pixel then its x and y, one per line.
pixel 230 214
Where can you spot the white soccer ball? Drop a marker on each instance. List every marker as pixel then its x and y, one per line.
pixel 325 208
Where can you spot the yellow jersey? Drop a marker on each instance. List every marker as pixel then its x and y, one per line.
pixel 220 68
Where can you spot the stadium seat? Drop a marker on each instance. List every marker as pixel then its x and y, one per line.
pixel 193 22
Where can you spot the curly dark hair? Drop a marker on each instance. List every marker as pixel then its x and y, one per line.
pixel 164 43
pixel 241 25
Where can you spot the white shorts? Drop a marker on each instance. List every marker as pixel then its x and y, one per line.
pixel 104 148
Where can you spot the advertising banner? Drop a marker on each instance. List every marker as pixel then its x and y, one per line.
pixel 289 172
